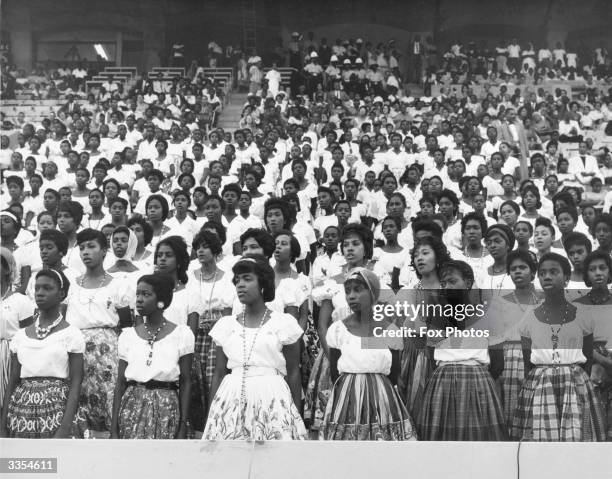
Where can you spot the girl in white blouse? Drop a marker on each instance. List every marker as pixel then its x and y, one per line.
pixel 216 294
pixel 257 401
pixel 46 371
pixel 154 381
pixel 558 401
pixel 97 305
pixel 364 363
pixel 15 308
pixel 460 402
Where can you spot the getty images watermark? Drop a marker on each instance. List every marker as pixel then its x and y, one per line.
pixel 405 311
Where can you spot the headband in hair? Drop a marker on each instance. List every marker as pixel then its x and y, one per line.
pixel 369 278
pixel 59 276
pixel 10 215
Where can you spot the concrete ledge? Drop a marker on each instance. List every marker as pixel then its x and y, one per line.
pixel 292 460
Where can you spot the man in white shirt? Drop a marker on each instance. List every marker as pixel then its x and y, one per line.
pixel 583 165
pixel 491 146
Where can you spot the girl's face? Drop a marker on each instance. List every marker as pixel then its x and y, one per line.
pixel 47 293
pixel 552 185
pixel 120 243
pixel 395 207
pixel 283 248
pixel 588 216
pixel 251 247
pixel 425 259
pixel 427 209
pixel 358 296
pixel 520 274
pixel 542 238
pixel 508 184
pixel 331 239
pixel 204 254
pixel 530 200
pixel 146 299
pixel 551 276
pixel 111 191
pixel 46 223
pixel 598 273
pixel 165 260
pixel 247 288
pixel 181 204
pixel 509 215
pixel 473 232
pixel 343 213
pixel 154 211
pixel 65 223
pixel 92 254
pixel 603 235
pixel 353 249
pixel 49 253
pixel 139 232
pixel 496 245
pixel 389 230
pixel 577 253
pixel 453 279
pixel 446 207
pixel 566 223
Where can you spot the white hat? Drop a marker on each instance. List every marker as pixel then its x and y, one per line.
pixel 333 58
pixel 359 40
pixel 346 62
pixel 377 99
pixel 314 55
pixel 391 98
pixel 359 61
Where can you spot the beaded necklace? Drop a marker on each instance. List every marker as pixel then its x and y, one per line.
pixel 212 289
pixel 91 297
pixel 152 337
pixel 41 331
pixel 598 301
pixel 245 358
pixel 534 300
pixel 554 336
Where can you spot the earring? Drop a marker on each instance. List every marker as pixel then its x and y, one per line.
pixel 160 305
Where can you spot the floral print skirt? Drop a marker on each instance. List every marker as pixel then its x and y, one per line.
pixel 268 412
pixel 5 368
pixel 149 413
pixel 317 394
pixel 36 409
pixel 101 362
pixel 366 407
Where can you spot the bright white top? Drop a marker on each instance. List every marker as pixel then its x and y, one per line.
pixel 166 354
pixel 212 296
pixel 570 338
pixel 469 351
pixel 503 319
pixel 49 356
pixel 333 291
pixel 97 307
pixel 363 355
pixel 602 332
pixel 278 331
pixel 290 292
pixel 385 262
pixel 184 302
pixel 13 309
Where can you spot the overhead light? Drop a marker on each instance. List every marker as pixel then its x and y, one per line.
pixel 100 51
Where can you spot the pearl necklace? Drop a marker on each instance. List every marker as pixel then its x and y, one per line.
pixel 245 358
pixel 41 331
pixel 91 297
pixel 152 337
pixel 212 289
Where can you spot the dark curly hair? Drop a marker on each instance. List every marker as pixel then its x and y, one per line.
pixel 146 228
pixel 209 240
pixel 162 201
pixel 438 247
pixel 179 247
pixel 595 255
pixel 258 265
pixel 263 239
pixel 294 244
pixel 363 233
pixel 163 286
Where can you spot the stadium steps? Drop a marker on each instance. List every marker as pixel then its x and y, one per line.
pixel 230 116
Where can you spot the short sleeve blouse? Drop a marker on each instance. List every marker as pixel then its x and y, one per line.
pixel 47 357
pixel 333 291
pixel 280 330
pixel 166 354
pixel 13 309
pixel 364 355
pixel 97 307
pixel 290 292
pixel 184 302
pixel 570 335
pixel 214 296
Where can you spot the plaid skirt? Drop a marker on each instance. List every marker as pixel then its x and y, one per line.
pixel 558 403
pixel 203 369
pixel 36 409
pixel 416 367
pixel 5 368
pixel 149 413
pixel 461 404
pixel 317 394
pixel 98 389
pixel 366 407
pixel 510 381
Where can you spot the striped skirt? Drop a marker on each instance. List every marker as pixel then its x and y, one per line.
pixel 36 409
pixel 101 362
pixel 203 368
pixel 461 404
pixel 149 413
pixel 416 367
pixel 366 407
pixel 558 403
pixel 5 368
pixel 511 379
pixel 317 394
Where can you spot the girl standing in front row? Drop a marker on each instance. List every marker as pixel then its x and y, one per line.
pixel 46 371
pixel 260 347
pixel 154 363
pixel 364 404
